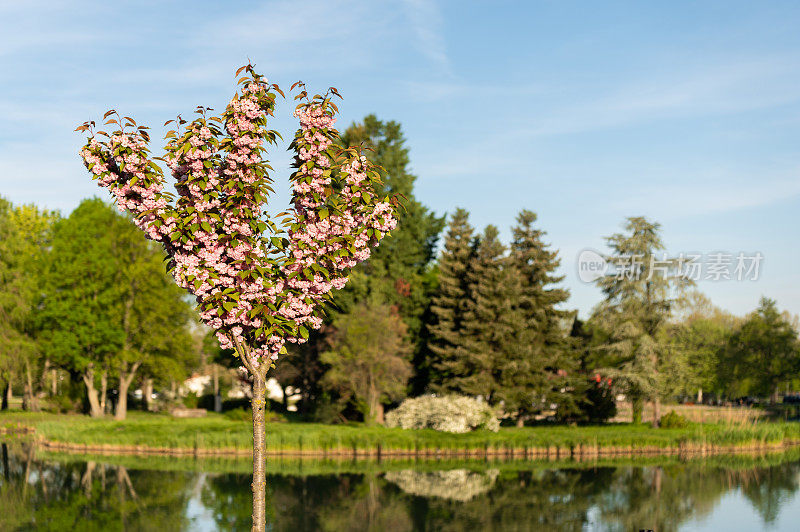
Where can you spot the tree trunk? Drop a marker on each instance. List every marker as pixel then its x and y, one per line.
pixel 148 394
pixel 6 470
pixel 656 412
pixel 125 380
pixel 53 382
pixel 30 401
pixel 217 396
pixel 5 401
pixel 637 405
pixel 699 396
pixel 91 393
pixel 259 452
pixel 520 420
pixel 103 390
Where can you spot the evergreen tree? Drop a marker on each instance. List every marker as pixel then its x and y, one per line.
pixel 399 270
pixel 534 375
pixel 639 299
pixel 449 301
pixel 489 325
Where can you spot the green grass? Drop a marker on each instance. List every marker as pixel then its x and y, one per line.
pixel 216 431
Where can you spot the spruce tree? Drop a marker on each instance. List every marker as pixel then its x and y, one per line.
pixel 546 364
pixel 487 327
pixel 445 334
pixel 399 270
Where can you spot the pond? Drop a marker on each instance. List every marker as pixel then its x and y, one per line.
pixel 44 491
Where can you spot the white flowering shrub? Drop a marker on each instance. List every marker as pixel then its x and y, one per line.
pixel 450 413
pixel 455 484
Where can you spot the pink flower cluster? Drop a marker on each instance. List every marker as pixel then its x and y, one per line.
pixel 337 215
pixel 252 291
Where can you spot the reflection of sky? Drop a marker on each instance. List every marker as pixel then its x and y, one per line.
pixel 201 518
pixel 734 513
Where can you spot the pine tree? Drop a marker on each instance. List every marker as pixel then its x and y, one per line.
pixel 449 302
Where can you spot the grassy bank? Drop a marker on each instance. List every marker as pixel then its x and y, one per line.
pixel 217 432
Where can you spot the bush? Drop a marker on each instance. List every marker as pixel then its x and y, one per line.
pixel 599 404
pixel 61 404
pixel 671 420
pixel 450 413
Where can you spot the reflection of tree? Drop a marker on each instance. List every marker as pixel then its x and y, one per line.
pixel 368 507
pixel 769 489
pixel 96 496
pixel 526 500
pixel 665 498
pixel 230 501
pixel 77 497
pixel 455 484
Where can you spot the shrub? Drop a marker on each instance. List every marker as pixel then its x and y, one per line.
pixel 450 413
pixel 671 420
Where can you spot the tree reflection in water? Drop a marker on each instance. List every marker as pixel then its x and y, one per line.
pixel 68 494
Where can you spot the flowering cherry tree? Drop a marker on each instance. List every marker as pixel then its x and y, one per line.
pixel 260 279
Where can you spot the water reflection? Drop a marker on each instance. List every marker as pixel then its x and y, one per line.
pixel 55 492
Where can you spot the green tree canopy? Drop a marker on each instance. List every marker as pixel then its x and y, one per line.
pixel 109 305
pixel 763 354
pixel 369 357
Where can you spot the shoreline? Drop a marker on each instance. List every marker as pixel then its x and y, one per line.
pixel 578 452
pixel 158 435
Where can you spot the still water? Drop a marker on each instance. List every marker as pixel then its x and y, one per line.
pixel 40 491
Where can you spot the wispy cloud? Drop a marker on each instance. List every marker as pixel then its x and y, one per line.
pixel 427 26
pixel 736 86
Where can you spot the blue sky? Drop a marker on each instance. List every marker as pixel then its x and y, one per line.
pixel 685 112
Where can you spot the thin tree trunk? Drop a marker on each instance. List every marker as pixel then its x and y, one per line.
pixel 259 452
pixel 656 412
pixel 6 471
pixel 91 393
pixel 148 395
pixel 103 390
pixel 53 382
pixel 125 380
pixel 5 401
pixel 86 480
pixel 217 396
pixel 29 401
pixel 699 396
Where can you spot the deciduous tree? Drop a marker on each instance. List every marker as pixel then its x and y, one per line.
pixel 255 285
